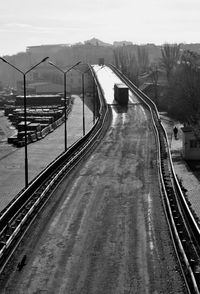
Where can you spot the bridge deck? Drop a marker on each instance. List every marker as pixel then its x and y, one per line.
pixel 109 233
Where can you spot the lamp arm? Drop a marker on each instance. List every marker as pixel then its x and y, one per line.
pixel 51 63
pixel 36 65
pixel 12 65
pixel 73 66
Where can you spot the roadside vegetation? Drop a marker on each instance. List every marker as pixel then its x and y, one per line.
pixel 179 95
pixel 132 62
pixel 182 92
pixel 170 73
pixel 184 89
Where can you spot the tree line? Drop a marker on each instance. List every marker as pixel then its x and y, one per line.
pixel 181 94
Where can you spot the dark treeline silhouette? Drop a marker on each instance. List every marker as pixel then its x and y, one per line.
pixel 170 71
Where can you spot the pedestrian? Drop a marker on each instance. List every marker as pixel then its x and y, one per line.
pixel 175 130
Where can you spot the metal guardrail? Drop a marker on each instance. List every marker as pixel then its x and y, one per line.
pixel 151 105
pixel 193 281
pixel 76 151
pixel 65 161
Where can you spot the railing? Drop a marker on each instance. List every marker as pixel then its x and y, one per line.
pixel 18 214
pixel 153 109
pixel 188 253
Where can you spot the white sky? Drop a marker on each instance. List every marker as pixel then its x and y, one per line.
pixel 27 23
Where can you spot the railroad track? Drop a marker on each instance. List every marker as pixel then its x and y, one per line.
pixel 184 229
pixel 18 216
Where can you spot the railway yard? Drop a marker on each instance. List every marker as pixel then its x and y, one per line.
pixel 105 228
pixel 40 153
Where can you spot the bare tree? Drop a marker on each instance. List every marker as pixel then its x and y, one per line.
pixel 184 89
pixel 170 58
pixel 143 58
pixel 116 57
pixel 154 74
pixel 126 61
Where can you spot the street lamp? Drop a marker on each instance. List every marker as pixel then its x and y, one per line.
pixel 25 126
pixel 65 94
pixel 95 92
pixel 83 95
pixel 94 104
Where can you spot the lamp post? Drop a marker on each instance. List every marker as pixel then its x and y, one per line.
pixel 94 104
pixel 65 94
pixel 83 95
pixel 25 126
pixel 95 92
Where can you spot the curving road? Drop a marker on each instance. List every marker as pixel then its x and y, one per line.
pixel 104 230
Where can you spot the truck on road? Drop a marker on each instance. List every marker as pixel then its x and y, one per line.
pixel 121 93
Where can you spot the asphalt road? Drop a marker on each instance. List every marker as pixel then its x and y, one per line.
pixel 104 230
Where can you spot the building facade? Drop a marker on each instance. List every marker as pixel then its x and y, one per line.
pixel 191 143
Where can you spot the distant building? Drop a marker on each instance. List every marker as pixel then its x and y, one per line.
pixel 64 55
pixel 45 50
pixel 36 100
pixel 96 42
pixel 191 143
pixel 45 87
pixel 48 80
pixel 122 43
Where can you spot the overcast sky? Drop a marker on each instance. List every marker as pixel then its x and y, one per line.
pixel 27 23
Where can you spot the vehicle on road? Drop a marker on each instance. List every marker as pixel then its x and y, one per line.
pixel 121 93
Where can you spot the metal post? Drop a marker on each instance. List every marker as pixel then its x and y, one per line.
pixel 25 120
pixel 64 72
pixel 94 98
pixel 65 101
pixel 83 96
pixel 26 141
pixel 83 92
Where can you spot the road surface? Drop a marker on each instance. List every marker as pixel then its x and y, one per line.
pixel 104 231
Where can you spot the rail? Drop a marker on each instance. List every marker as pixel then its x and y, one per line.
pixel 184 228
